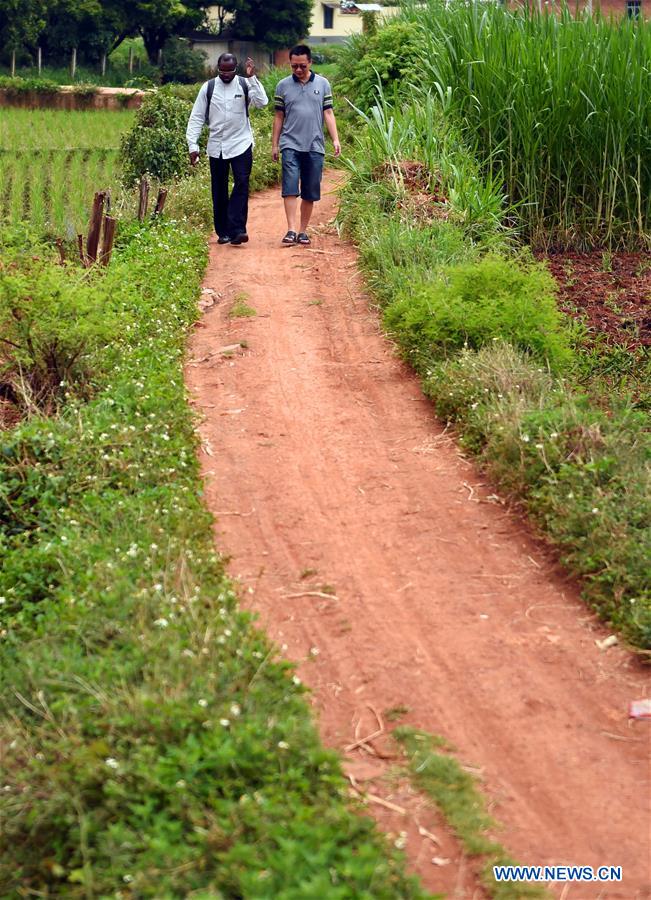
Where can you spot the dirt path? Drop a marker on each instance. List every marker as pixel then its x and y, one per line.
pixel 328 472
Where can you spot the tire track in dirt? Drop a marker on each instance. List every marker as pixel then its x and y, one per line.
pixel 328 472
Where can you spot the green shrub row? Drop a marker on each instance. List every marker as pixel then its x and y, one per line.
pixel 153 744
pixel 481 327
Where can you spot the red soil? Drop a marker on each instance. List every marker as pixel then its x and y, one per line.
pixel 611 293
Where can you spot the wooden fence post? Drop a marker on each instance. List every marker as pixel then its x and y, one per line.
pixel 130 60
pixel 108 235
pixel 73 63
pixel 39 59
pixel 103 64
pixel 160 202
pixel 92 241
pixel 144 199
pixel 13 63
pixel 80 247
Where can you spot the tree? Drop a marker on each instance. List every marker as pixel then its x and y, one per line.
pixel 21 23
pixel 274 23
pixel 156 20
pixel 87 25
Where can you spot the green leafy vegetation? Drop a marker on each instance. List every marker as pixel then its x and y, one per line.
pixel 153 742
pixel 481 302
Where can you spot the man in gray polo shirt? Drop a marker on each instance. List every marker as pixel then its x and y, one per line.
pixel 303 102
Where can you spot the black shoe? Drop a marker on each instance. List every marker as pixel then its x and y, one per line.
pixel 290 238
pixel 223 239
pixel 240 238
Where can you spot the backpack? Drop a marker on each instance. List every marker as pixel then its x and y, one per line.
pixel 211 87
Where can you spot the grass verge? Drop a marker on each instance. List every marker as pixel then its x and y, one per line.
pixel 441 778
pixel 152 743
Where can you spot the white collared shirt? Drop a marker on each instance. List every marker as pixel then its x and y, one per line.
pixel 230 132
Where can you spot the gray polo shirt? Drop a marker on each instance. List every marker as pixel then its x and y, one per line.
pixel 303 106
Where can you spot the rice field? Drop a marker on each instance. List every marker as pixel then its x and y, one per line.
pixel 53 161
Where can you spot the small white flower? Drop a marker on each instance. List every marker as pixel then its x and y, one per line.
pixel 225 723
pixel 127 879
pixel 595 509
pixel 236 709
pixel 296 680
pixel 187 652
pixel 158 588
pixel 283 745
pixel 202 702
pixel 180 783
pixel 161 623
pixel 525 438
pixel 112 763
pixel 314 651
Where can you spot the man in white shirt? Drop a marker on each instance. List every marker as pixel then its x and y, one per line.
pixel 230 142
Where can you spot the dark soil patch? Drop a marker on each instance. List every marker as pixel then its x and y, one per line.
pixel 9 415
pixel 609 292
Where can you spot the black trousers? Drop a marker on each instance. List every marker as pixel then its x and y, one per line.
pixel 230 213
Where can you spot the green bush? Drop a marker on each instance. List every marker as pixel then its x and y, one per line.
pixel 386 57
pixel 181 63
pixel 51 329
pixel 156 144
pixel 475 303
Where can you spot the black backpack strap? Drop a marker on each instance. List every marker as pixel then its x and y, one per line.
pixel 211 87
pixel 244 84
pixel 209 93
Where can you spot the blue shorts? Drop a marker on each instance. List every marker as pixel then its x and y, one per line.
pixel 308 166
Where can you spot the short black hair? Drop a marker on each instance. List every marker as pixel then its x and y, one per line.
pixel 301 50
pixel 226 57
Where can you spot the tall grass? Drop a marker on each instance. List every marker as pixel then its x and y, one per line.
pixel 416 130
pixel 558 107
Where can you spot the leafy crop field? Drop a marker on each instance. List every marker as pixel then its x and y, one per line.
pixel 52 162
